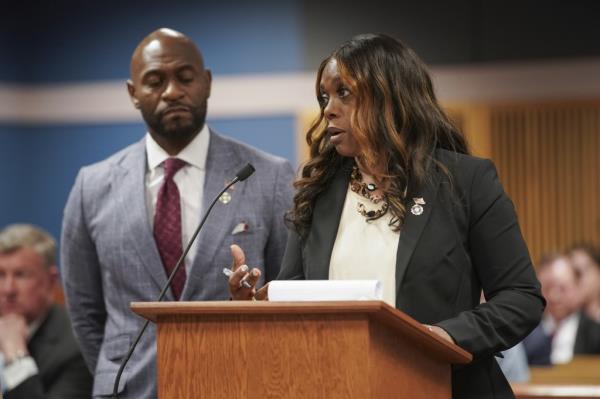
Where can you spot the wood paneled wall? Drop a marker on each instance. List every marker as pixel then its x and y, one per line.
pixel 548 158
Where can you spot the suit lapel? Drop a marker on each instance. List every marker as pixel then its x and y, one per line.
pixel 47 333
pixel 414 224
pixel 582 343
pixel 130 180
pixel 221 165
pixel 44 341
pixel 326 220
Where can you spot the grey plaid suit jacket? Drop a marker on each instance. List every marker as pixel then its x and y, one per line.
pixel 109 257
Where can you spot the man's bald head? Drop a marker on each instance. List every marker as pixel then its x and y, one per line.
pixel 160 39
pixel 170 86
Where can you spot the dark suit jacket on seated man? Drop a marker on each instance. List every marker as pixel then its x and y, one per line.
pixel 126 223
pixel 39 357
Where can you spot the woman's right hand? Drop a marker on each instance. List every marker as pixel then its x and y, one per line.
pixel 242 282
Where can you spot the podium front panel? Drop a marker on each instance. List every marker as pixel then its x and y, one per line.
pixel 259 356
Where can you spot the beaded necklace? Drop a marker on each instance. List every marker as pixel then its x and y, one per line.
pixel 366 190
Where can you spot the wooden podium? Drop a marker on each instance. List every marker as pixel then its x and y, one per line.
pixel 321 350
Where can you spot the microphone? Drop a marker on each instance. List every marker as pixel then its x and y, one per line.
pixel 241 175
pixel 245 172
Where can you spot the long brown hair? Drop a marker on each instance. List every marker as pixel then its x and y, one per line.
pixel 398 124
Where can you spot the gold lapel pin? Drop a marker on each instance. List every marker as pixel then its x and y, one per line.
pixel 225 198
pixel 417 208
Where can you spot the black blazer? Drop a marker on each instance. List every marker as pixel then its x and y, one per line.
pixel 466 240
pixel 62 372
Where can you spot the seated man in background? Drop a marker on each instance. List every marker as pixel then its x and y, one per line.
pixel 39 357
pixel 585 258
pixel 565 330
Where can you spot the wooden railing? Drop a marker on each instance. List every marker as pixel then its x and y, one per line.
pixel 583 370
pixel 578 379
pixel 533 391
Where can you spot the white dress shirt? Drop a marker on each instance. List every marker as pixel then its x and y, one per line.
pixel 365 250
pixel 189 181
pixel 12 375
pixel 563 342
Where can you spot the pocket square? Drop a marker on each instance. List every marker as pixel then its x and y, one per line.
pixel 240 228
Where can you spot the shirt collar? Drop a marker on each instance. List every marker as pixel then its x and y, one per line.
pixel 194 153
pixel 550 325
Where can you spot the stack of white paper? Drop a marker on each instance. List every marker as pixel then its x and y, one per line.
pixel 325 290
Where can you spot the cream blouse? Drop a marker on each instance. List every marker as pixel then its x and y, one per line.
pixel 365 250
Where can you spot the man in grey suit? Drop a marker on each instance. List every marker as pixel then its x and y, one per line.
pixel 126 222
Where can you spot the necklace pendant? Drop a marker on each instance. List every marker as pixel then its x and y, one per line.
pixel 371 187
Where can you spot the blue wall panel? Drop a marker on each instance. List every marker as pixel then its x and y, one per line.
pixel 13 172
pixel 274 135
pixel 48 159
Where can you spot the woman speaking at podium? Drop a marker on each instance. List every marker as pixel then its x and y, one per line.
pixel 390 192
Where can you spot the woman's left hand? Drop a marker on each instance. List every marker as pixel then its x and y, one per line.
pixel 441 332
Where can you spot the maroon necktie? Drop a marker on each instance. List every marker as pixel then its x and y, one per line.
pixel 167 225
